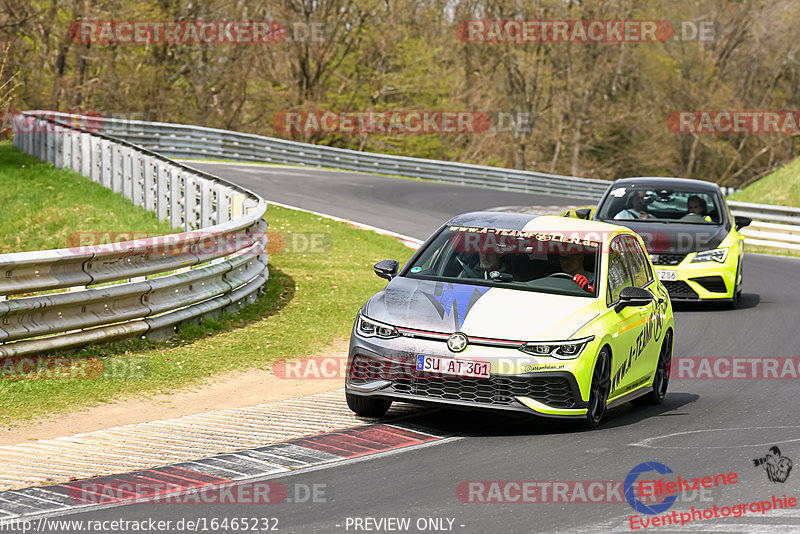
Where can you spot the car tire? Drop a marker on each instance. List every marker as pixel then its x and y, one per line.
pixel 599 390
pixel 661 379
pixel 367 406
pixel 737 295
pixel 737 290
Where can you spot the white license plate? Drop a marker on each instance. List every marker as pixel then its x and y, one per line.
pixel 667 275
pixel 453 367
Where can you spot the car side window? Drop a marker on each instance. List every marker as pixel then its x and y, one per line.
pixel 619 274
pixel 640 267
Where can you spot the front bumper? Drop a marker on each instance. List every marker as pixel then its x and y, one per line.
pixel 376 370
pixel 700 281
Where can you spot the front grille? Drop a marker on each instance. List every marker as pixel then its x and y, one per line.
pixel 497 390
pixel 715 284
pixel 680 290
pixel 364 369
pixel 667 259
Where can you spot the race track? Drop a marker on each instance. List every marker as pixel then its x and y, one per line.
pixel 705 427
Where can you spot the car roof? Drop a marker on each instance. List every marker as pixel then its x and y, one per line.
pixel 656 181
pixel 533 223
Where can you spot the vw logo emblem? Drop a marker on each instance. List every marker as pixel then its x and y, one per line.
pixel 457 342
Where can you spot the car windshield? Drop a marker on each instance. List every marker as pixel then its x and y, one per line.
pixel 661 205
pixel 543 262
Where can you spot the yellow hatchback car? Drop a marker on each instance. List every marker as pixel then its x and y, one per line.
pixel 541 315
pixel 693 240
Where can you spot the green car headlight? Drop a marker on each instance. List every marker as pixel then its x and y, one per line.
pixel 563 350
pixel 371 328
pixel 718 255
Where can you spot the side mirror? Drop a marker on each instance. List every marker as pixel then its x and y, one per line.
pixel 633 296
pixel 583 213
pixel 742 221
pixel 387 268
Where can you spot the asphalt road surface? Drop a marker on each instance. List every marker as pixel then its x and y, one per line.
pixel 705 427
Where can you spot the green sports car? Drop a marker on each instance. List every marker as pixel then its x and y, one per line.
pixel 551 316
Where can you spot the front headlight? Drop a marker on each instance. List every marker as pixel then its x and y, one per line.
pixel 563 350
pixel 718 255
pixel 370 328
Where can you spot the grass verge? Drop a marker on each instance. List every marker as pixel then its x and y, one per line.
pixel 42 206
pixel 311 299
pixel 774 252
pixel 781 187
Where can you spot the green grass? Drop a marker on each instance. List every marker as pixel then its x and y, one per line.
pixel 42 206
pixel 781 187
pixel 775 252
pixel 311 299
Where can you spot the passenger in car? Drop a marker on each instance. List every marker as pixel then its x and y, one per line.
pixel 696 208
pixel 695 204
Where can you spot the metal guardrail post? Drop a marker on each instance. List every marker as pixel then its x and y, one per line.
pixel 207 197
pixel 116 168
pixel 126 171
pixel 149 185
pixel 106 170
pixel 85 141
pixel 192 190
pixel 162 191
pixel 137 179
pixel 176 198
pixel 224 207
pixel 237 205
pixel 95 159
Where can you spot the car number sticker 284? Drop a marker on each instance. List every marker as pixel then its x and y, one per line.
pixel 453 367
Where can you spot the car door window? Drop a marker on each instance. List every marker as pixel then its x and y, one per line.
pixel 640 267
pixel 619 275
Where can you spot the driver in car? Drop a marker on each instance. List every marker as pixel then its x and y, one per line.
pixel 636 208
pixel 572 263
pixel 492 266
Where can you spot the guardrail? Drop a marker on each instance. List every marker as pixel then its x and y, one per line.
pixel 773 227
pixel 180 141
pixel 216 263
